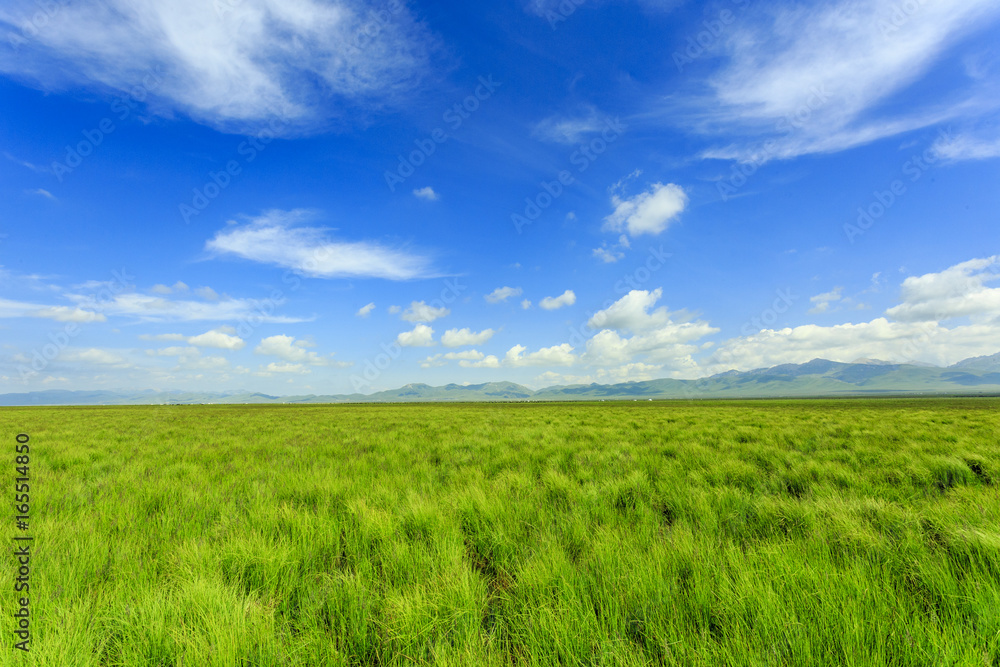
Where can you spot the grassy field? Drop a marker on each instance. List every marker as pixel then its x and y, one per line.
pixel 847 532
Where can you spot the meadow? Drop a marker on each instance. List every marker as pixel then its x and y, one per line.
pixel 810 532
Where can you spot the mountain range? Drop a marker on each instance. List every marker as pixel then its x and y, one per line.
pixel 819 377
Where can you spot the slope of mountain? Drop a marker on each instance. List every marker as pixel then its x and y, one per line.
pixel 819 377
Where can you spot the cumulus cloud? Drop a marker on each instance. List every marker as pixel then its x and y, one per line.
pixel 421 336
pixel 273 238
pixel 422 312
pixel 207 293
pixel 502 294
pixel 649 212
pixel 442 359
pixel 913 331
pixel 557 355
pixel 217 339
pixel 660 337
pixel 955 292
pixel 236 66
pixel 365 311
pixel 460 337
pixel 567 298
pixel 526 304
pixel 291 350
pixel 426 193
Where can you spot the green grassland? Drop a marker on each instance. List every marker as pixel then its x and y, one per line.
pixel 847 532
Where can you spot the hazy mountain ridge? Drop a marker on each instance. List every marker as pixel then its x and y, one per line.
pixel 819 377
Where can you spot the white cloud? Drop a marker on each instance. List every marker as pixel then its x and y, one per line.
pixel 207 293
pixel 567 298
pixel 460 337
pixel 489 361
pixel 426 193
pixel 810 79
pixel 568 129
pixel 442 359
pixel 365 311
pixel 150 308
pixel 289 349
pixel 422 312
pixel 275 367
pixel 217 339
pixel 917 334
pixel 421 336
pixel 955 292
pixel 163 337
pixel 526 304
pixel 557 355
pixel 502 294
pixel 661 337
pixel 234 65
pixel 608 255
pixel 160 289
pixel 824 300
pixel 271 238
pixel 631 313
pixel 174 351
pixel 393 310
pixel 41 193
pixel 649 212
pixel 67 314
pixel 966 147
pixel 93 355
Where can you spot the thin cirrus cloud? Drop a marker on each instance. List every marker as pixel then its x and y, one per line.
pixel 820 79
pixel 273 238
pixel 501 294
pixel 11 309
pixel 230 65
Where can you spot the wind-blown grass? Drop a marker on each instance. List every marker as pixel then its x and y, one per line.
pixel 849 532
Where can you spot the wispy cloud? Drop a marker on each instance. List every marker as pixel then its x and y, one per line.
pixel 41 192
pixel 228 64
pixel 820 78
pixel 273 238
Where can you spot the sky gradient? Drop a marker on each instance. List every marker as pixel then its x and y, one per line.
pixel 330 197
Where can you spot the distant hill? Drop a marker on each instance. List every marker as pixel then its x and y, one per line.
pixel 819 377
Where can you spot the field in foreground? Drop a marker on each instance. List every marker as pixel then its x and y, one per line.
pixel 849 532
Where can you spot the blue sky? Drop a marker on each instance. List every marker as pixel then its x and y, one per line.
pixel 339 196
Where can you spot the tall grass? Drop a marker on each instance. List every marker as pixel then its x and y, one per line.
pixel 849 532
